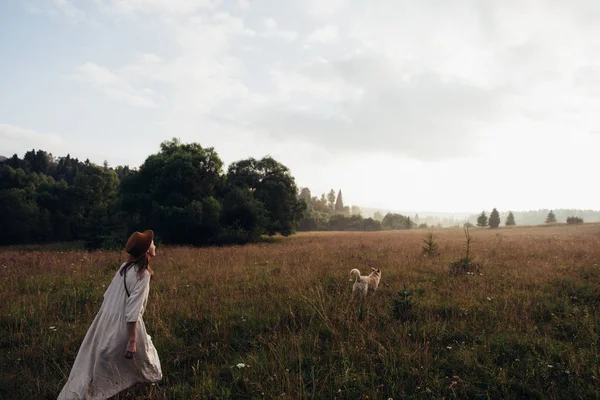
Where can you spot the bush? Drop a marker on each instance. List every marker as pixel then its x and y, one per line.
pixel 402 309
pixel 465 265
pixel 431 248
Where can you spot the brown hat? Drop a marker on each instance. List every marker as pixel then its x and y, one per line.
pixel 139 243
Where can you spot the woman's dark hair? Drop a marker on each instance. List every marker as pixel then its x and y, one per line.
pixel 142 263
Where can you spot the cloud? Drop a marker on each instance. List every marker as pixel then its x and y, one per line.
pixel 115 86
pixel 15 139
pixel 327 34
pixel 272 31
pixel 429 83
pixel 169 8
pixel 199 75
pixel 324 9
pixel 372 104
pixel 243 4
pixel 67 8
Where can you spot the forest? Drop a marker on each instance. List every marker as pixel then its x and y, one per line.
pixel 183 192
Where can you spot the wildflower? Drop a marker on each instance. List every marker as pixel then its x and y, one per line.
pixel 449 347
pixel 550 366
pixel 489 299
pixel 241 365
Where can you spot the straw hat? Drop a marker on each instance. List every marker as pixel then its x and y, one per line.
pixel 139 243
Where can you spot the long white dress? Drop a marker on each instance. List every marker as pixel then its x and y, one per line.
pixel 101 369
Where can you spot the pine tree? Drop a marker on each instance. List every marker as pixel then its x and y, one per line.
pixel 551 218
pixel 494 219
pixel 331 199
pixel 510 220
pixel 482 219
pixel 339 202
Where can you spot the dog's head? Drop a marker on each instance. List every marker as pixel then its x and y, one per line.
pixel 375 271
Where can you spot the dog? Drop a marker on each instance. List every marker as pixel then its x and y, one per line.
pixel 365 285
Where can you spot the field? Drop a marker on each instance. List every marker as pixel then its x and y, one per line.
pixel 528 326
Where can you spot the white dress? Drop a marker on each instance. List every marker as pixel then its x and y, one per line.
pixel 101 369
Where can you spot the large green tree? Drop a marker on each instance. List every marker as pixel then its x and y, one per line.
pixel 551 218
pixel 396 221
pixel 272 184
pixel 331 199
pixel 339 202
pixel 510 219
pixel 494 220
pixel 20 219
pixel 482 220
pixel 175 193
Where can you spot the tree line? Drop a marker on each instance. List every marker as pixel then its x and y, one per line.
pixel 494 219
pixel 182 192
pixel 328 213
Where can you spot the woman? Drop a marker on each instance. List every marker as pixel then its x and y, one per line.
pixel 117 352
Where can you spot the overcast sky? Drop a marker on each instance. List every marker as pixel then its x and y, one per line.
pixel 406 105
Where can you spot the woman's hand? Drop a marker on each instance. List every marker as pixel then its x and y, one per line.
pixel 130 351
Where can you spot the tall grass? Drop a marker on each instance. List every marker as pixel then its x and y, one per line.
pixel 528 327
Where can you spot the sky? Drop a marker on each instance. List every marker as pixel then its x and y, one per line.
pixel 406 105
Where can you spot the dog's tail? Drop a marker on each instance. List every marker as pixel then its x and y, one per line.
pixel 355 274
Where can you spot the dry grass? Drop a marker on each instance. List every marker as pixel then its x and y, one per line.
pixel 527 328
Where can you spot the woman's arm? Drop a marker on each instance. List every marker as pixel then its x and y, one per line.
pixel 133 309
pixel 130 351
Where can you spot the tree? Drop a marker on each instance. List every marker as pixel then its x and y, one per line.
pixel 95 190
pixel 510 219
pixel 482 220
pixel 551 218
pixel 494 220
pixel 378 216
pixel 305 195
pixel 272 184
pixel 355 210
pixel 331 199
pixel 323 201
pixel 39 161
pixel 339 203
pixel 20 216
pixel 243 217
pixel 172 192
pixel 396 221
pixel 371 224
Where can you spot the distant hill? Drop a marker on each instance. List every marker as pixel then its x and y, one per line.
pixel 532 217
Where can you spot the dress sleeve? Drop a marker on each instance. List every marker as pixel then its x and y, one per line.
pixel 135 302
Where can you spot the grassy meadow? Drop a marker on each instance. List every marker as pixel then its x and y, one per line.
pixel 528 326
